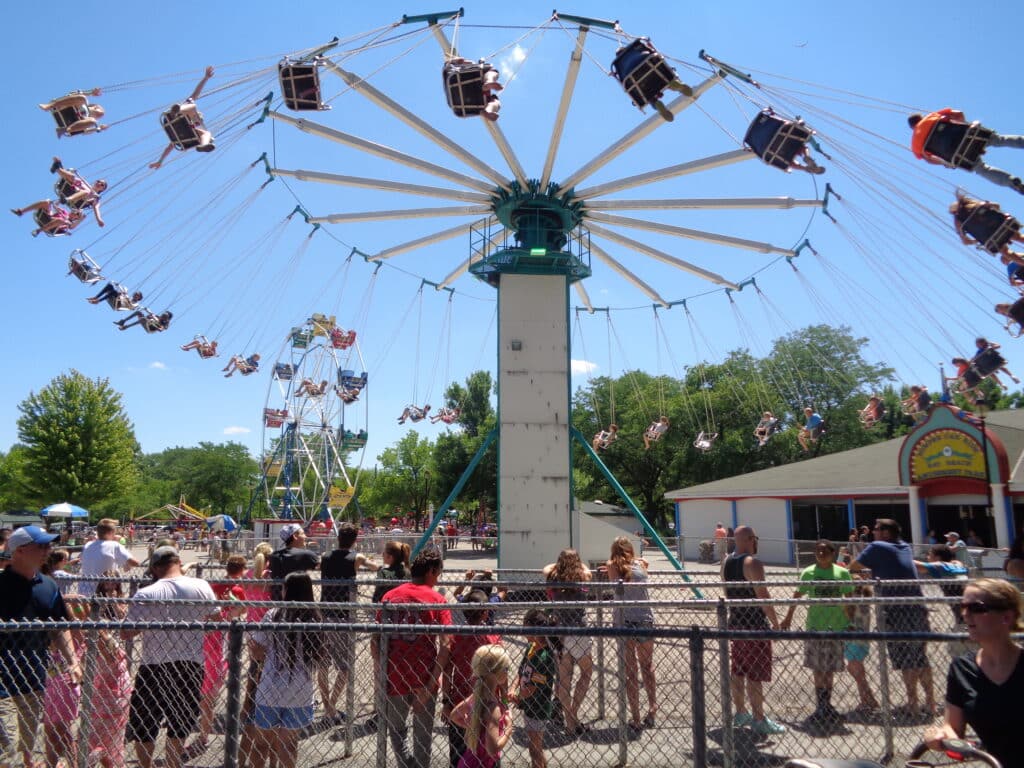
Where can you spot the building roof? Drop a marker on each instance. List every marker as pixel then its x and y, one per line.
pixel 869 470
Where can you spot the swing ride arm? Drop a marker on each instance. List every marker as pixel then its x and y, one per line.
pixel 456 490
pixel 617 487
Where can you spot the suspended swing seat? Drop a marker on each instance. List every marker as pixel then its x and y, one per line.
pixel 274 417
pixel 446 416
pixel 468 86
pixel 958 144
pixel 284 371
pixel 705 441
pixel 347 378
pixel 46 217
pixel 644 75
pixel 868 419
pixel 300 85
pixel 300 338
pixel 992 228
pixel 988 361
pixel 74 119
pixel 65 189
pixel 342 339
pixel 655 431
pixel 1016 318
pixel 775 140
pixel 181 129
pixel 765 429
pixel 84 268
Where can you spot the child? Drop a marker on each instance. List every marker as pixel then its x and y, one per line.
pixel 855 651
pixel 535 685
pixel 284 696
pixel 458 672
pixel 485 714
pixel 112 684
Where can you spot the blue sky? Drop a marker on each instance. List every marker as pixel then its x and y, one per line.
pixel 197 239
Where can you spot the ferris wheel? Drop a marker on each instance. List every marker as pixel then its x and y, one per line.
pixel 314 423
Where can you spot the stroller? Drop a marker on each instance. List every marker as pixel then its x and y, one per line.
pixel 957 749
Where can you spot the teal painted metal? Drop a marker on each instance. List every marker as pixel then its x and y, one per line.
pixel 727 68
pixel 433 18
pixel 439 514
pixel 586 21
pixel 648 528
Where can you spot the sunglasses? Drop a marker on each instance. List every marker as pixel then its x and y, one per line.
pixel 978 606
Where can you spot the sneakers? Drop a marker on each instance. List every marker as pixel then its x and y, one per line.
pixel 767 727
pixel 742 719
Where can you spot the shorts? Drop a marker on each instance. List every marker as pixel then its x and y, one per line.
pixel 645 624
pixel 751 659
pixel 336 646
pixel 823 655
pixel 856 651
pixel 291 718
pixel 534 725
pixel 907 654
pixel 577 646
pixel 165 694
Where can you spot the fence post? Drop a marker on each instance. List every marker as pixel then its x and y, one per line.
pixel 382 693
pixel 232 736
pixel 600 663
pixel 883 679
pixel 725 691
pixel 697 694
pixel 350 690
pixel 623 704
pixel 92 647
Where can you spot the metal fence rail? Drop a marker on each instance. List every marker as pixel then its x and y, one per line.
pixel 689 673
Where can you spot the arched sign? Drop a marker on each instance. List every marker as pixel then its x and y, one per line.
pixel 946 453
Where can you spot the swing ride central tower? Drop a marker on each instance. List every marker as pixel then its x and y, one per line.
pixel 543 251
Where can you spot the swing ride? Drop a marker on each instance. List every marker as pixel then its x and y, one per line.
pixel 533 228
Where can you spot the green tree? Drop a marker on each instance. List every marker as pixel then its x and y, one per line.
pixel 13 490
pixel 79 444
pixel 474 402
pixel 405 477
pixel 212 476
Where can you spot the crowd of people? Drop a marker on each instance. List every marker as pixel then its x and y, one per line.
pixel 482 700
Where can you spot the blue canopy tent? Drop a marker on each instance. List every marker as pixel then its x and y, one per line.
pixel 63 509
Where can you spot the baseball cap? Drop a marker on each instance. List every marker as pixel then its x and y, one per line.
pixel 289 530
pixel 952 533
pixel 164 555
pixel 28 534
pixel 394 521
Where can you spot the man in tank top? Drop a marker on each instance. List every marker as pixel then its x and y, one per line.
pixel 750 660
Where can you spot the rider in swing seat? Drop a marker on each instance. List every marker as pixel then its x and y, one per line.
pixel 203 347
pixel 150 322
pixel 52 220
pixel 654 431
pixel 765 428
pixel 471 88
pixel 183 124
pixel 244 365
pixel 1014 313
pixel 946 138
pixel 605 438
pixel 983 224
pixel 414 413
pixel 74 114
pixel 781 143
pixel 644 75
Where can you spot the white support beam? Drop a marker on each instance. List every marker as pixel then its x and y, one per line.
pixel 641 131
pixel 603 256
pixel 507 152
pixel 382 184
pixel 421 242
pixel 385 102
pixel 703 203
pixel 581 291
pixel 401 214
pixel 672 171
pixel 571 75
pixel 692 234
pixel 654 253
pixel 373 148
pixel 456 273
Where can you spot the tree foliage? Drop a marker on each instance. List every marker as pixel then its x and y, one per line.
pixel 216 477
pixel 79 444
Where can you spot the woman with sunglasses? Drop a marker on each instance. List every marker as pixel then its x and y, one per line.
pixel 984 688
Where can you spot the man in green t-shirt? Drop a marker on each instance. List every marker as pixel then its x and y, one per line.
pixel 823 656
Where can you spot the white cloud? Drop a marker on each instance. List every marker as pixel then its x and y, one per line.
pixel 236 430
pixel 158 365
pixel 582 366
pixel 509 62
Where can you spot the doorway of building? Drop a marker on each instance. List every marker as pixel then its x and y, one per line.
pixel 962 518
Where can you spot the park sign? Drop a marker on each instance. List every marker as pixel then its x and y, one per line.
pixel 951 452
pixel 946 453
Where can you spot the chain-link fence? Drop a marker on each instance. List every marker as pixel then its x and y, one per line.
pixel 675 680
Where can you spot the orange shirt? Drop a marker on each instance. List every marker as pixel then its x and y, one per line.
pixel 924 128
